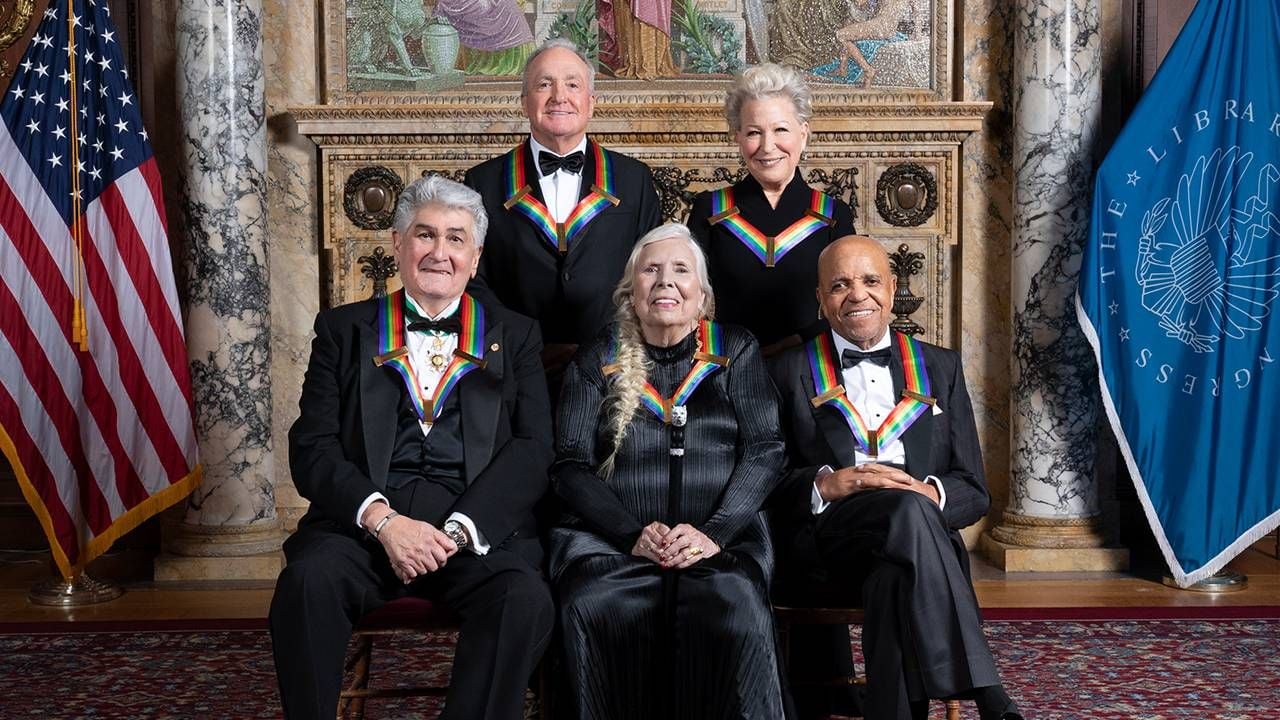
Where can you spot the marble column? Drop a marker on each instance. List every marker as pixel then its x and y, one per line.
pixel 1052 520
pixel 230 529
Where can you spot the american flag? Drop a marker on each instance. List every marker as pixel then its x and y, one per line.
pixel 95 395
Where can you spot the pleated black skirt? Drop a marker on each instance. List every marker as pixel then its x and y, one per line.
pixel 643 642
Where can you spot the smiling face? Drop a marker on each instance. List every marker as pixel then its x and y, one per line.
pixel 771 137
pixel 557 99
pixel 665 292
pixel 437 255
pixel 855 289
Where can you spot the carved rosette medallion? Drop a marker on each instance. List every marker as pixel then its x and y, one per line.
pixel 369 197
pixel 906 195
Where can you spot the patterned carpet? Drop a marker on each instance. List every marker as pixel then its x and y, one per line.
pixel 1057 670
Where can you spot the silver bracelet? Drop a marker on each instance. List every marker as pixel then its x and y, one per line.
pixel 377 529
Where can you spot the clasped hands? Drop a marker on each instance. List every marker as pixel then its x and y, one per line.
pixel 676 547
pixel 869 476
pixel 414 547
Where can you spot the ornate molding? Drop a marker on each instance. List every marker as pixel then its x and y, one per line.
pixel 485 115
pixel 906 195
pixel 369 197
pixel 13 29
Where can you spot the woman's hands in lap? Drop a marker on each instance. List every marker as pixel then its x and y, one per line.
pixel 686 545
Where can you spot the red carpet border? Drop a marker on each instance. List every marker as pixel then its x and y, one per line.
pixel 1057 670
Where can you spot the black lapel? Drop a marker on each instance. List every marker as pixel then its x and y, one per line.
pixel 380 389
pixel 480 400
pixel 829 420
pixel 588 176
pixel 532 176
pixel 917 439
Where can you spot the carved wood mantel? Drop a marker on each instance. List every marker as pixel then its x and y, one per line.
pixel 896 161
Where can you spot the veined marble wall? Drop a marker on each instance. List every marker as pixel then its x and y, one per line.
pixel 290 54
pixel 984 253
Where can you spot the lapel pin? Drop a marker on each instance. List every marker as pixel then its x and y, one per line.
pixel 494 347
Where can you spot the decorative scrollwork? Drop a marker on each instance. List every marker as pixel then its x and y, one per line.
pixel 369 197
pixel 13 28
pixel 906 195
pixel 673 187
pixel 456 175
pixel 904 263
pixel 378 267
pixel 840 183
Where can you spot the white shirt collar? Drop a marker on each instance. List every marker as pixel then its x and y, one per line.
pixel 449 309
pixel 537 147
pixel 842 344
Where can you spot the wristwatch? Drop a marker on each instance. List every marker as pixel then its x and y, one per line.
pixel 457 532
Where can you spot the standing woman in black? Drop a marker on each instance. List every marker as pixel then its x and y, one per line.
pixel 762 235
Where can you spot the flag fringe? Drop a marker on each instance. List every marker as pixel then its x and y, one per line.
pixel 1183 577
pixel 99 544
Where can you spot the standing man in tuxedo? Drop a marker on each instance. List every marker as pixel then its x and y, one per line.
pixel 565 211
pixel 884 469
pixel 423 442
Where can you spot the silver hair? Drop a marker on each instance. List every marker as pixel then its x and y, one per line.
pixel 440 190
pixel 558 42
pixel 633 362
pixel 768 80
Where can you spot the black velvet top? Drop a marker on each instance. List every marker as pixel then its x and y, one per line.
pixel 771 302
pixel 733 454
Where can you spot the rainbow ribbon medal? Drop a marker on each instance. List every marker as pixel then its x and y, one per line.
pixel 468 356
pixel 520 197
pixel 706 359
pixel 770 250
pixel 916 398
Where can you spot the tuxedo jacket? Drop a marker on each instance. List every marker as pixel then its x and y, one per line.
pixel 568 294
pixel 942 444
pixel 340 447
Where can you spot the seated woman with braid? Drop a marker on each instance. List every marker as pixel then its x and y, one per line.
pixel 667 447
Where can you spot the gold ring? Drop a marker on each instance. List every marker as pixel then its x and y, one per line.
pixel 693 551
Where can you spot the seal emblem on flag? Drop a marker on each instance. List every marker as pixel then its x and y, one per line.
pixel 1203 258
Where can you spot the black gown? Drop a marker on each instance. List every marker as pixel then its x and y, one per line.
pixel 640 641
pixel 771 302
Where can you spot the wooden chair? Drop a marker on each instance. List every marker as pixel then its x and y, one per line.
pixel 785 617
pixel 405 615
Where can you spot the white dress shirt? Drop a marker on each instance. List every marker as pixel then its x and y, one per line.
pixel 560 189
pixel 870 388
pixel 421 347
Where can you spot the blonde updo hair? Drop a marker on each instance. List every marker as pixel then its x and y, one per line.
pixel 633 362
pixel 768 80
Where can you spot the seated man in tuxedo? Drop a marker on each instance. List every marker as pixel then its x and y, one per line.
pixel 884 468
pixel 565 211
pixel 423 443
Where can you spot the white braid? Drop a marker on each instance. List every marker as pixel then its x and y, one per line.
pixel 627 385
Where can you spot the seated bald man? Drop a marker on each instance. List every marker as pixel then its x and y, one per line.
pixel 423 442
pixel 884 469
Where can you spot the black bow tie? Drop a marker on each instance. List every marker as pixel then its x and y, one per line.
pixel 549 162
pixel 849 358
pixel 450 324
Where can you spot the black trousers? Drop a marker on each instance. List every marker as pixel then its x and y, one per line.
pixel 922 637
pixel 333 578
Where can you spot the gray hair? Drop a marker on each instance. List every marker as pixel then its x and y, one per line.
pixel 633 362
pixel 440 190
pixel 558 42
pixel 768 80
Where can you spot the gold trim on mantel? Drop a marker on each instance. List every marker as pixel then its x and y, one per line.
pixel 502 113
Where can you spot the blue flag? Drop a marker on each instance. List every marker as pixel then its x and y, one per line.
pixel 1179 285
